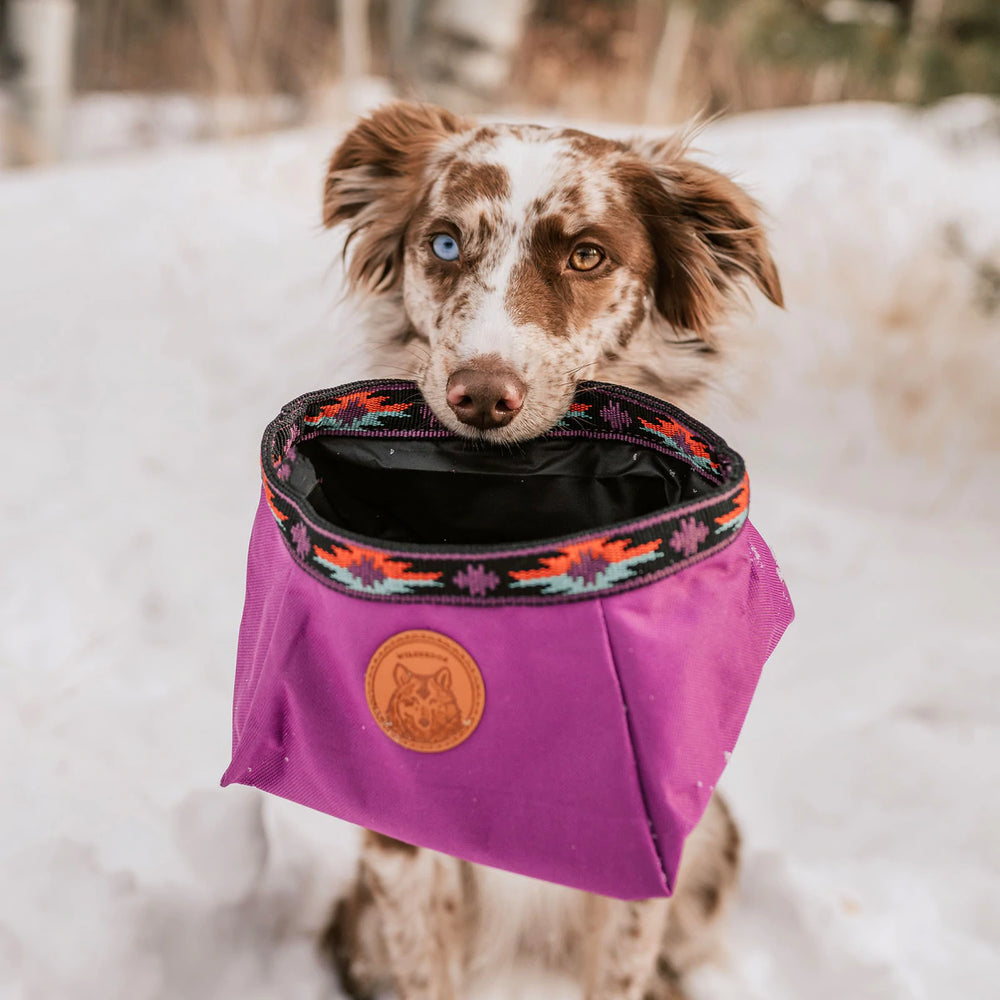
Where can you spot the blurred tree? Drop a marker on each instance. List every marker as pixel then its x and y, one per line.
pixel 228 45
pixel 916 50
pixel 663 95
pixel 10 62
pixel 962 53
pixel 618 58
pixel 454 51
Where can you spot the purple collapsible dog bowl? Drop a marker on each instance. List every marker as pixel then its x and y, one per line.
pixel 536 657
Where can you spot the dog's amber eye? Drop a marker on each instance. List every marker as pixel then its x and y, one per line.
pixel 586 257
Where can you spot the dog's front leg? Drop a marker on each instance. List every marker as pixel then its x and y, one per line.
pixel 624 939
pixel 418 897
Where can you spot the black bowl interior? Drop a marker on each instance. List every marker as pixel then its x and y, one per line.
pixel 436 491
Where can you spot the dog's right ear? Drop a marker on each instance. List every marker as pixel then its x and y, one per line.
pixel 375 180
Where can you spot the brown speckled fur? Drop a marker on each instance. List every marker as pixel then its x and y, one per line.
pixel 677 240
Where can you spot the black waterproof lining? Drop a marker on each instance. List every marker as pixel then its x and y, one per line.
pixel 449 492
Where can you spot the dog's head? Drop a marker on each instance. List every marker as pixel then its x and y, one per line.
pixel 528 258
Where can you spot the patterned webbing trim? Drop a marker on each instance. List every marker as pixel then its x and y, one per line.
pixel 553 571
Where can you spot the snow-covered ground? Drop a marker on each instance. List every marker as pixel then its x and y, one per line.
pixel 158 309
pixel 107 123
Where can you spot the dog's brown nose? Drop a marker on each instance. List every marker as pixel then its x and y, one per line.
pixel 486 399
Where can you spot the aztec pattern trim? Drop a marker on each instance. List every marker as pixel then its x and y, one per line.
pixel 554 571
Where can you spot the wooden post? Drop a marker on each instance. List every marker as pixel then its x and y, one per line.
pixel 41 35
pixel 355 47
pixel 924 22
pixel 663 96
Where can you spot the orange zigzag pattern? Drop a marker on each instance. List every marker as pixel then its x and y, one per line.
pixel 571 555
pixel 365 400
pixel 394 569
pixel 740 503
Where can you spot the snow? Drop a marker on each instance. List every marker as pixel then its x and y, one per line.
pixel 105 123
pixel 159 307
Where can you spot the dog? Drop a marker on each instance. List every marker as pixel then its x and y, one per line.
pixel 500 265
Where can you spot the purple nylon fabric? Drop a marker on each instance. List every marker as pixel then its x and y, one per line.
pixel 558 781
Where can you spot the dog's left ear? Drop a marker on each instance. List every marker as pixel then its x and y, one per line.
pixel 706 232
pixel 375 180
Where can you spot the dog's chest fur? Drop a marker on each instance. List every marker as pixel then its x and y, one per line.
pixel 520 918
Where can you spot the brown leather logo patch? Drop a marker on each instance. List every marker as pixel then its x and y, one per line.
pixel 424 691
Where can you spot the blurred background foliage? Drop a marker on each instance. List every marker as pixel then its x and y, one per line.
pixel 271 63
pixel 597 57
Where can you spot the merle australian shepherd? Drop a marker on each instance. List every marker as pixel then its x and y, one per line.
pixel 499 266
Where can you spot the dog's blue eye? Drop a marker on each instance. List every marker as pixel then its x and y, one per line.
pixel 445 247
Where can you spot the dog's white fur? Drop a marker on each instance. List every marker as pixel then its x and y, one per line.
pixel 675 239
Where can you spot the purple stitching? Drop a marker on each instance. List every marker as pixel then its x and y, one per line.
pixel 477 580
pixel 688 536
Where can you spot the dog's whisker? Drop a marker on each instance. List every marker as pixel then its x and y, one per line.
pixel 586 364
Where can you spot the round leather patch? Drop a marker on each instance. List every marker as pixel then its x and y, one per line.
pixel 424 691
